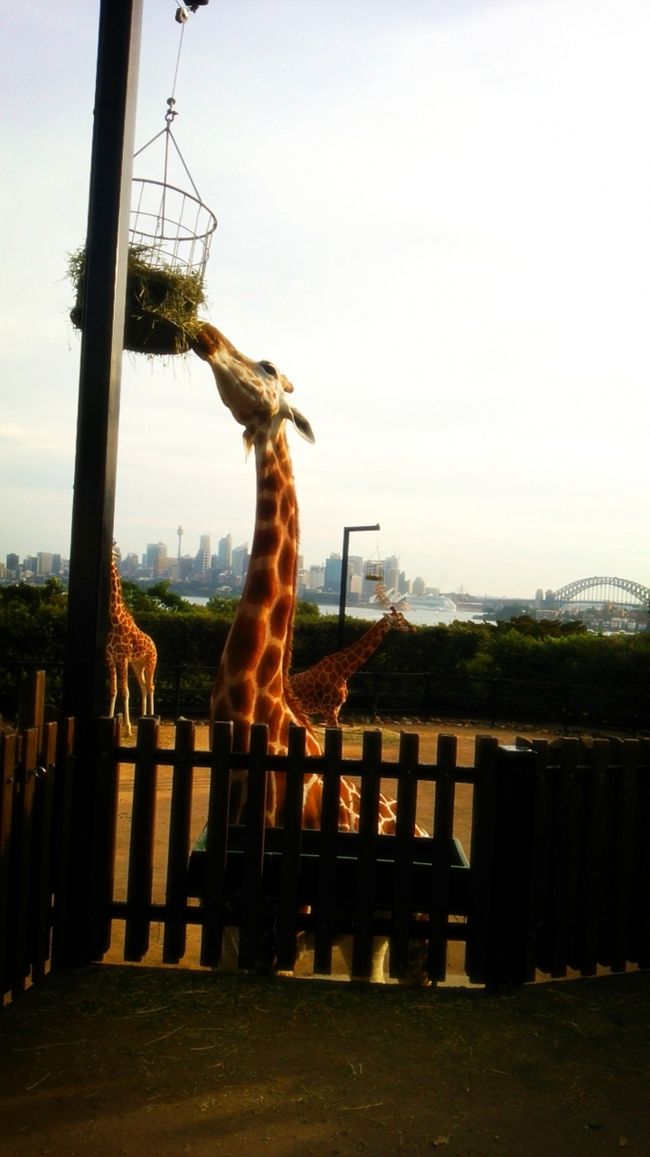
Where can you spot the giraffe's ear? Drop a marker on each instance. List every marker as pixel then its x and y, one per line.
pixel 301 424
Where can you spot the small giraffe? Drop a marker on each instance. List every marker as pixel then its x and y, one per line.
pixel 252 683
pixel 127 645
pixel 323 688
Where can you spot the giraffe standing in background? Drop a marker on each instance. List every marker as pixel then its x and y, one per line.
pixel 252 683
pixel 323 688
pixel 127 645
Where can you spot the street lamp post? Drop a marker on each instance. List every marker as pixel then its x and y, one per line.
pixel 347 531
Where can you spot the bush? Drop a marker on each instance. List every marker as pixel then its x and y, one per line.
pixel 518 670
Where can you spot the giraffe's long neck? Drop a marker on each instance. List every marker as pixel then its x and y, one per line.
pixel 117 610
pixel 351 658
pixel 250 686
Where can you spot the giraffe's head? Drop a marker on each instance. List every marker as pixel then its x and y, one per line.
pixel 397 620
pixel 254 392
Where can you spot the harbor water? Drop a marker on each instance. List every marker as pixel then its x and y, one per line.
pixel 418 615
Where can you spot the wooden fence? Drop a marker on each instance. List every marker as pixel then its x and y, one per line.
pixel 555 874
pixel 35 763
pixel 538 859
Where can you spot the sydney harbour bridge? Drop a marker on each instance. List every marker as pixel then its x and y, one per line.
pixel 603 589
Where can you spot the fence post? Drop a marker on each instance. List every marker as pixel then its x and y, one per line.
pixel 31 703
pixel 509 956
pixel 177 691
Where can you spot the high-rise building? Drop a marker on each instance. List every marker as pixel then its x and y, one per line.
pixel 391 573
pixel 129 566
pixel 333 566
pixel 240 560
pixel 224 553
pixel 156 558
pixel 203 558
pixel 355 584
pixel 44 562
pixel 315 578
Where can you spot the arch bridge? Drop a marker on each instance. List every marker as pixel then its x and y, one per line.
pixel 603 589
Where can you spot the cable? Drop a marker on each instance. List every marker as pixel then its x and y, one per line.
pixel 178 55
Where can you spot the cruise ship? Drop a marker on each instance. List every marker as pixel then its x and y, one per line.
pixel 433 602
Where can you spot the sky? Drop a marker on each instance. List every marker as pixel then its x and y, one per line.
pixel 434 218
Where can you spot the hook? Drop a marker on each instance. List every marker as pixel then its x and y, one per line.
pixel 182 13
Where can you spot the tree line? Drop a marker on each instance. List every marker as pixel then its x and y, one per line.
pixel 522 669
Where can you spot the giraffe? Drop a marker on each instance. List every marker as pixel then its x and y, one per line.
pixel 323 688
pixel 252 683
pixel 127 645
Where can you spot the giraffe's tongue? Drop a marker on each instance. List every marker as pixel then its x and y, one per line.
pixel 206 341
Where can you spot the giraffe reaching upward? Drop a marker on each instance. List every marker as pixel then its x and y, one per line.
pixel 252 683
pixel 127 645
pixel 250 686
pixel 323 688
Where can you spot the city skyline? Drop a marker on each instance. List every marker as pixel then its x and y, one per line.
pixel 233 558
pixel 432 218
pixel 158 556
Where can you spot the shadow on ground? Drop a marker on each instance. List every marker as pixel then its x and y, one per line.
pixel 128 1060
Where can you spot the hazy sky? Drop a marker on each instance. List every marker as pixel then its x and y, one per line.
pixel 434 217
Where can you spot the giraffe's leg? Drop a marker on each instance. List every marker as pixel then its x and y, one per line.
pixel 379 950
pixel 229 950
pixel 149 672
pixel 124 693
pixel 417 975
pixel 112 686
pixel 341 696
pixel 229 961
pixel 138 668
pixel 378 967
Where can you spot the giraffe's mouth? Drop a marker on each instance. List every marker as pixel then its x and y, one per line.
pixel 207 341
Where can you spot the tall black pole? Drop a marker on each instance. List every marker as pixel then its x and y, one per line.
pixel 101 354
pixel 93 507
pixel 347 530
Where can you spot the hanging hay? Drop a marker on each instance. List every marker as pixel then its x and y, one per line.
pixel 161 304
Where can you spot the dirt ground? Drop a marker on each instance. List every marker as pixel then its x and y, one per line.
pixel 113 1059
pixel 117 1060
